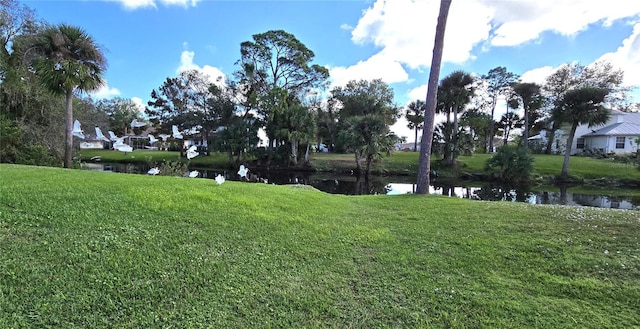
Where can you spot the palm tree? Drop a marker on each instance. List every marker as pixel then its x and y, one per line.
pixel 531 98
pixel 455 91
pixel 508 122
pixel 581 106
pixel 68 60
pixel 424 166
pixel 477 122
pixel 301 130
pixel 415 116
pixel 367 136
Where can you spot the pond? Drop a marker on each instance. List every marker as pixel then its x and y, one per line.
pixel 393 185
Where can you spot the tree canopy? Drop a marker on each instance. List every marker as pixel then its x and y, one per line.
pixel 68 60
pixel 581 106
pixel 367 111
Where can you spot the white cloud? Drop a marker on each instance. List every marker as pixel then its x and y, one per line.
pixel 627 57
pixel 517 22
pixel 404 30
pixel 538 75
pixel 139 103
pixel 346 27
pixel 105 92
pixel 376 67
pixel 215 75
pixel 401 129
pixel 136 4
pixel 419 92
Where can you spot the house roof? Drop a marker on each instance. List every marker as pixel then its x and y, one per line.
pixel 630 126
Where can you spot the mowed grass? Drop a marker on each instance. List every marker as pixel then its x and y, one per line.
pixel 83 249
pixel 213 160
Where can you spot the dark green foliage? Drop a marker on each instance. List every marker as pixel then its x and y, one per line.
pixel 275 76
pixel 13 148
pixel 174 168
pixel 9 140
pixel 511 164
pixel 477 122
pixel 119 113
pixel 36 155
pixel 368 111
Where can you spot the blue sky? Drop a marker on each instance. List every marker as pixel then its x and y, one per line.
pixel 146 41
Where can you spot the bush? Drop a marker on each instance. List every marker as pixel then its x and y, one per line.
pixel 36 155
pixel 511 164
pixel 10 140
pixel 174 168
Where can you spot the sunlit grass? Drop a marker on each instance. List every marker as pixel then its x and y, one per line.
pixel 213 160
pixel 82 249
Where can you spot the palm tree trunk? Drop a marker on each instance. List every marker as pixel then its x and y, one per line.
pixel 415 142
pixel 68 136
pixel 508 127
pixel 525 134
pixel 294 152
pixel 306 154
pixel 424 167
pixel 368 168
pixel 552 135
pixel 454 138
pixel 270 149
pixel 492 126
pixel 507 131
pixel 358 163
pixel 447 146
pixel 565 164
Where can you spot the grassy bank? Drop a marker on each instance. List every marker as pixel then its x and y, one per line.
pixel 101 250
pixel 214 160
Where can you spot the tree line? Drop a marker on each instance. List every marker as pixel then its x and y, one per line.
pixel 572 95
pixel 47 70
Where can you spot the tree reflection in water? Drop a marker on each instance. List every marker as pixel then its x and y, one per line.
pixel 492 192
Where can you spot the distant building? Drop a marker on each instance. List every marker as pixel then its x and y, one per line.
pixel 621 134
pixel 406 147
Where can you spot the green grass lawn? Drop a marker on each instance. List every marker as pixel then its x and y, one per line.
pixel 84 249
pixel 214 160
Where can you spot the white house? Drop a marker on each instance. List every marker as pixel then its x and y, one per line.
pixel 621 134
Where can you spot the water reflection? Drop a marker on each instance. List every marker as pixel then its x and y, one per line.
pixel 523 194
pixel 487 192
pixel 394 185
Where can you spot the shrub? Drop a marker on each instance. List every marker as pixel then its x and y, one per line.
pixel 36 155
pixel 174 168
pixel 10 140
pixel 511 164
